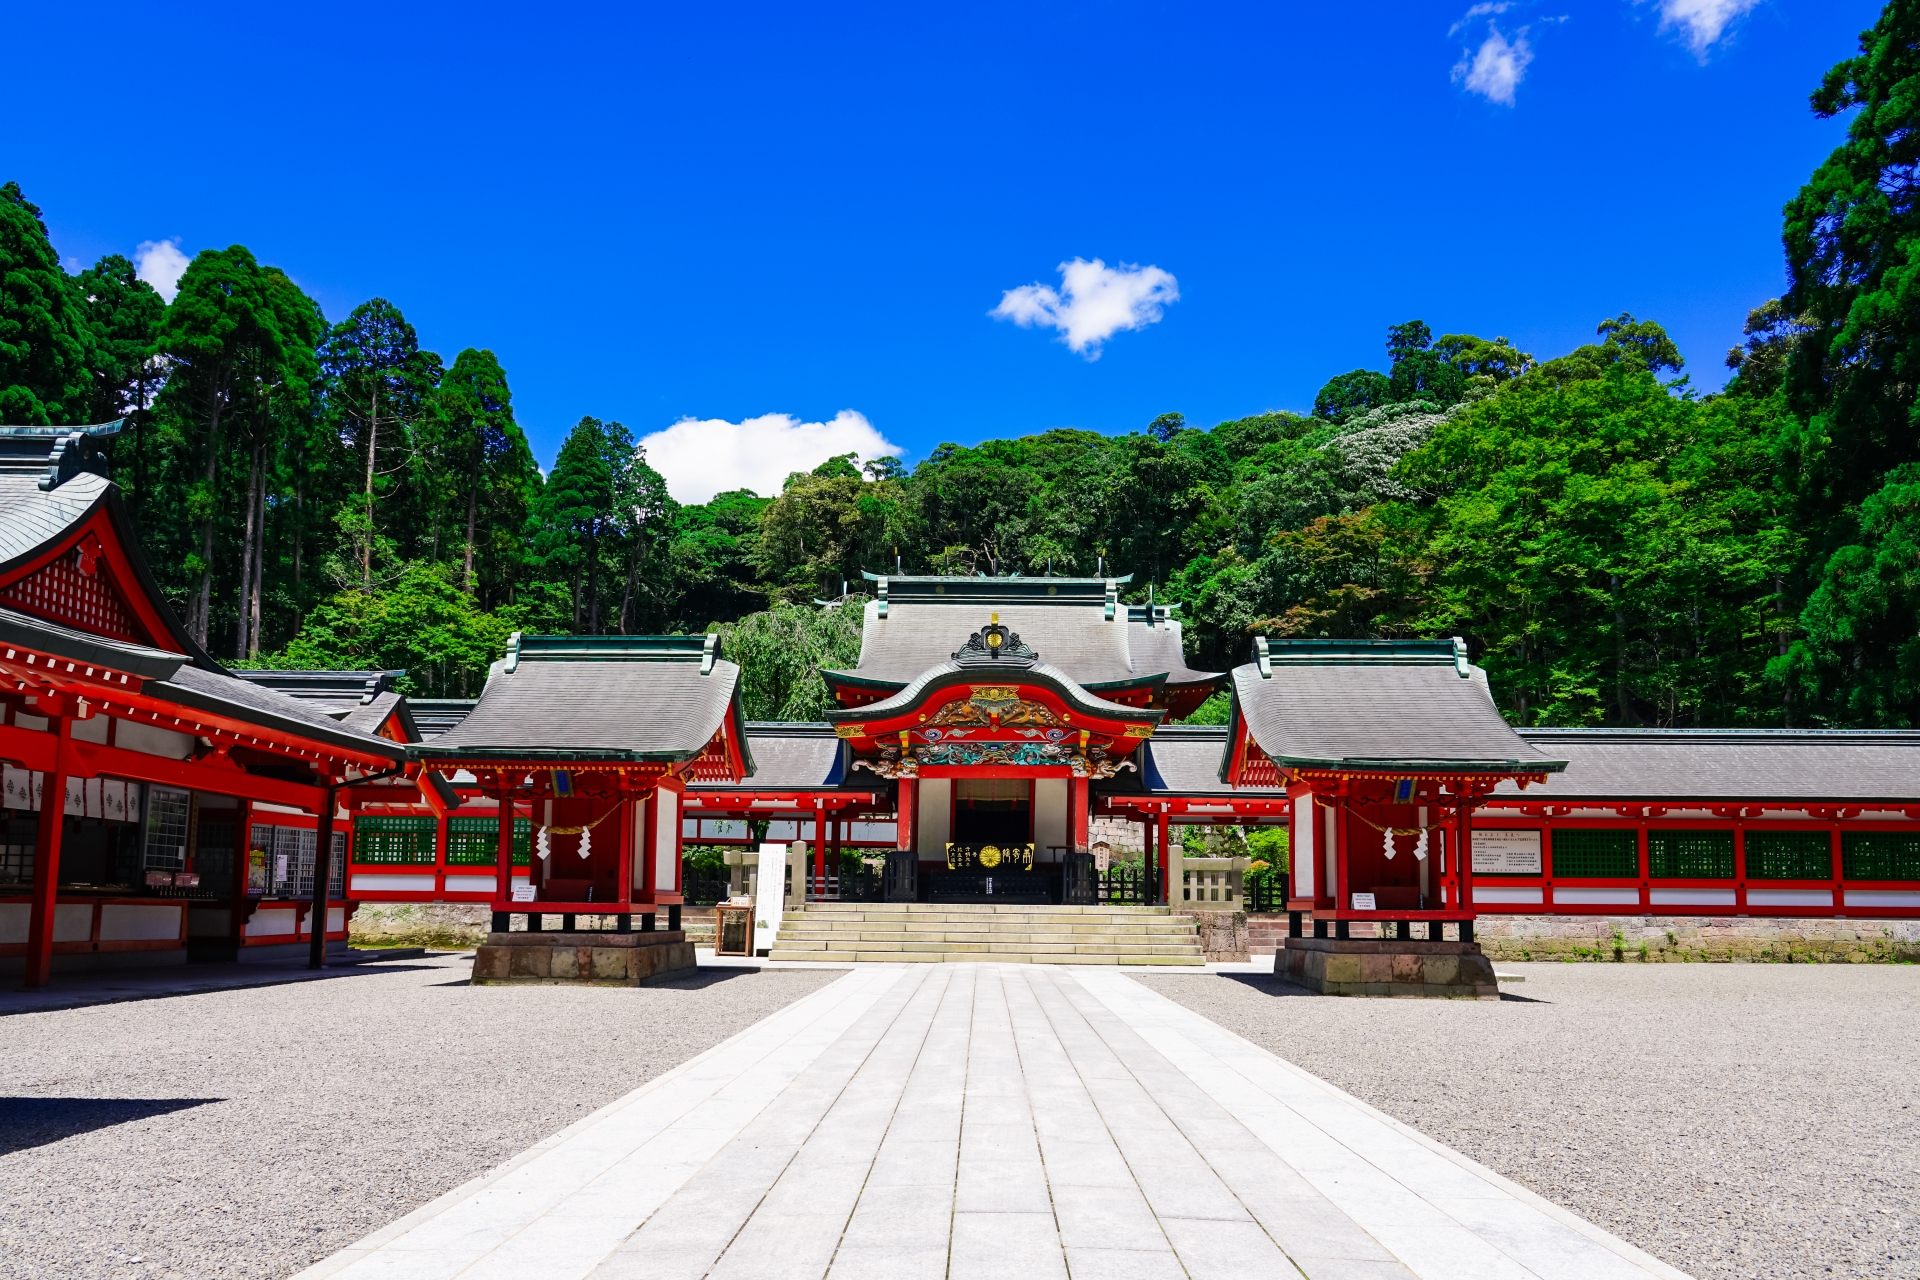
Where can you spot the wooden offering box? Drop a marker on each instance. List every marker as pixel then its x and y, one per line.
pixel 733 930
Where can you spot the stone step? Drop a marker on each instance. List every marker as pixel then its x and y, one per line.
pixel 985 948
pixel 851 938
pixel 1003 918
pixel 1192 959
pixel 1022 933
pixel 922 922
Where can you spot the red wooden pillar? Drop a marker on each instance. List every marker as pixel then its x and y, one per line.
pixel 1079 802
pixel 1160 839
pixel 46 858
pixel 1463 858
pixel 242 864
pixel 624 877
pixel 322 872
pixel 439 848
pixel 908 795
pixel 1341 900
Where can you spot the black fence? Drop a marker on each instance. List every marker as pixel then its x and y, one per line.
pixel 703 891
pixel 1264 893
pixel 1129 884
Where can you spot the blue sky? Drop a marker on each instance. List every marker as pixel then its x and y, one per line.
pixel 729 212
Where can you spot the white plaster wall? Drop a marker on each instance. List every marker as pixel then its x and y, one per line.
pixel 1302 845
pixel 1049 816
pixel 934 819
pixel 153 740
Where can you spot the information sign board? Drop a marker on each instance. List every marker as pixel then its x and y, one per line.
pixel 1506 853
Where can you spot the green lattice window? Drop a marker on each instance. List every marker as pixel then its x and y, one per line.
pixel 1879 855
pixel 1585 853
pixel 475 842
pixel 393 841
pixel 1690 855
pixel 1789 855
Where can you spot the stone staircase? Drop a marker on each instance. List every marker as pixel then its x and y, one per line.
pixel 911 931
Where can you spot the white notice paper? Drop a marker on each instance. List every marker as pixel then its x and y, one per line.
pixel 1363 902
pixel 1506 853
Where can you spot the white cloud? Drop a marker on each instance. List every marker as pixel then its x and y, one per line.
pixel 1498 67
pixel 161 264
pixel 1478 11
pixel 1702 22
pixel 700 458
pixel 1095 302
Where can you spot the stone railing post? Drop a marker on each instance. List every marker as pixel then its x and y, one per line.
pixel 1212 884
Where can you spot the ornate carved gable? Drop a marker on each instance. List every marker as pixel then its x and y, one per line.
pixel 77 589
pixel 994 644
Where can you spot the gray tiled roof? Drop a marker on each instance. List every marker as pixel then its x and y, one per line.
pixel 790 755
pixel 1728 765
pixel 337 691
pixel 1333 713
pixel 434 716
pixel 604 709
pixel 1185 760
pixel 133 659
pixel 29 519
pixel 369 718
pixel 174 677
pixel 914 637
pixel 1159 648
pixel 948 673
pixel 216 691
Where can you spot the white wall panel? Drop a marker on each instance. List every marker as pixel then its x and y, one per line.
pixel 933 818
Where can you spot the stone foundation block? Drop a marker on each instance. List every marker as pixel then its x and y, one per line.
pixel 1387 967
pixel 1222 934
pixel 603 959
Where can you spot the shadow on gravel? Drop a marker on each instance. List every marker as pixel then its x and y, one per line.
pixel 692 982
pixel 1268 983
pixel 700 979
pixel 34 1122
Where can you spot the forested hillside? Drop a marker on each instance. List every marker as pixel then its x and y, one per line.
pixel 1616 548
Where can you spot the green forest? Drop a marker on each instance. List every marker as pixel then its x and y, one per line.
pixel 1617 548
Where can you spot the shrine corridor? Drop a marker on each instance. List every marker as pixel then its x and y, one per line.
pixel 973 1121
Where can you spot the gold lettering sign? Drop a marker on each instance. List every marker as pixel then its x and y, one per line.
pixel 850 731
pixel 1139 731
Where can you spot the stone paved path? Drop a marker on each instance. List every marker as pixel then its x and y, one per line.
pixel 980 1121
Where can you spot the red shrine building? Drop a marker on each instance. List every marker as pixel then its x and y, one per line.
pixel 993 736
pixel 156 806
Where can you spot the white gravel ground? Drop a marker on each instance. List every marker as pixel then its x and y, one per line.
pixel 249 1133
pixel 1735 1120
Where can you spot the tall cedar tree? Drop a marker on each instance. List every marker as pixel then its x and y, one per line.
pixel 44 335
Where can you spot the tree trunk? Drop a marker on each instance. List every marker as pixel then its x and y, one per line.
pixel 243 615
pixel 203 599
pixel 593 585
pixel 373 441
pixel 473 512
pixel 1619 651
pixel 299 533
pixel 259 552
pixel 1780 635
pixel 626 595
